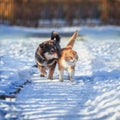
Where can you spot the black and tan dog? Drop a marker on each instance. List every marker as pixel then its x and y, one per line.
pixel 46 55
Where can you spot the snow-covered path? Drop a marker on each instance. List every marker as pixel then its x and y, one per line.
pixel 80 100
pixel 50 100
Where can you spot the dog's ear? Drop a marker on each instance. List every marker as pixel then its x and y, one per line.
pixel 42 46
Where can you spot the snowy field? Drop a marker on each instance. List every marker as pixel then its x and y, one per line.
pixel 94 94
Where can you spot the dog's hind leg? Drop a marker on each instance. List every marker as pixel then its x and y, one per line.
pixel 42 71
pixel 51 71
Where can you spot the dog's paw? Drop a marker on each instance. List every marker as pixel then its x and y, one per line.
pixel 60 80
pixel 50 78
pixel 42 75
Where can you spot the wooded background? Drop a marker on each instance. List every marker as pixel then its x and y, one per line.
pixel 42 13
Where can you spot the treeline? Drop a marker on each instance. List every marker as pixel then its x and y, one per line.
pixel 35 13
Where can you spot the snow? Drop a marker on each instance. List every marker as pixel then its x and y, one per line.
pixel 95 92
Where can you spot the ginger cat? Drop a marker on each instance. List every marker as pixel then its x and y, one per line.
pixel 68 59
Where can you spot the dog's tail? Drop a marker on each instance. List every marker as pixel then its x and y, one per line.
pixel 55 36
pixel 72 40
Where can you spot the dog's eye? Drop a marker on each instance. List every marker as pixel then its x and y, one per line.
pixel 51 51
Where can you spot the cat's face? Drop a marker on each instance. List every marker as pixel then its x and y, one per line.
pixel 71 56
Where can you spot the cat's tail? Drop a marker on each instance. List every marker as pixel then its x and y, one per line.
pixel 72 40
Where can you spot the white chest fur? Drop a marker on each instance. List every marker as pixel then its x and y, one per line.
pixel 67 64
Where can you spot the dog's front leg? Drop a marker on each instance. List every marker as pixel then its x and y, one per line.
pixel 42 71
pixel 51 71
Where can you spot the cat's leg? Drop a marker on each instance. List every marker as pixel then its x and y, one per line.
pixel 61 72
pixel 71 71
